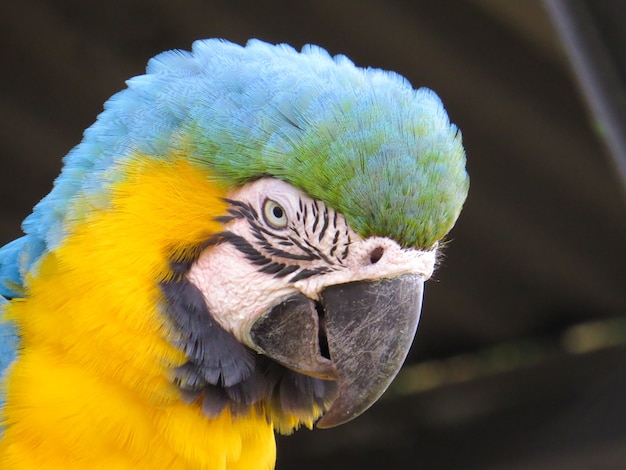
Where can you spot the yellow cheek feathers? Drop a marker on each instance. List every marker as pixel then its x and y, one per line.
pixel 90 387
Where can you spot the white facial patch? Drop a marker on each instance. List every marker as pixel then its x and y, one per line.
pixel 235 291
pixel 280 242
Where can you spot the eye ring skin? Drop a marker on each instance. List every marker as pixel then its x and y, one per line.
pixel 274 214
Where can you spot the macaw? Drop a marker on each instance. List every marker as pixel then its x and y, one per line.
pixel 237 247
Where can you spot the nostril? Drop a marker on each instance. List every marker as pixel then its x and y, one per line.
pixel 376 254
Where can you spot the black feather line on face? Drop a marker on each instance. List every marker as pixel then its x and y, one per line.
pixel 306 273
pixel 315 211
pixel 286 271
pixel 273 268
pixel 344 255
pixel 243 246
pixel 224 219
pixel 324 225
pixel 335 240
pixel 241 208
pixel 258 229
pixel 309 256
pixel 319 253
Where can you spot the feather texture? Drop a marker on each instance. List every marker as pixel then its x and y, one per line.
pixel 92 386
pixel 143 193
pixel 361 140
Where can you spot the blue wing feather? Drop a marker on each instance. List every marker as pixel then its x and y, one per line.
pixel 11 286
pixel 8 346
pixel 14 257
pixel 8 340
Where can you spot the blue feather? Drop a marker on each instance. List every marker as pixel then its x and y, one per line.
pixel 8 346
pixel 245 112
pixel 11 277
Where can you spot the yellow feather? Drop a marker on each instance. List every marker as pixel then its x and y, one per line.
pixel 90 387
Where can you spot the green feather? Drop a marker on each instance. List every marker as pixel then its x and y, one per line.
pixel 361 140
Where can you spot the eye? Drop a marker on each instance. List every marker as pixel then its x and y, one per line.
pixel 274 214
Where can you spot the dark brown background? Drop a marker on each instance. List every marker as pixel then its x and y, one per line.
pixel 520 357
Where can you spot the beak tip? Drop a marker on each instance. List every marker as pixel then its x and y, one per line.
pixel 336 417
pixel 388 314
pixel 324 423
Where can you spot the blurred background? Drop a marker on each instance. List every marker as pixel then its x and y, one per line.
pixel 520 359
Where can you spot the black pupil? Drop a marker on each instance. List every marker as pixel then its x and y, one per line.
pixel 278 212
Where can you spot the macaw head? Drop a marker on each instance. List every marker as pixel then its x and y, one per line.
pixel 336 185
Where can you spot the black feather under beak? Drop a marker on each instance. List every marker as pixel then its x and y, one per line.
pixel 358 334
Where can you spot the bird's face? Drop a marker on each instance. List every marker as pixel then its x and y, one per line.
pixel 291 280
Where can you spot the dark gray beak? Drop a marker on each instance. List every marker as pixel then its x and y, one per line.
pixel 358 334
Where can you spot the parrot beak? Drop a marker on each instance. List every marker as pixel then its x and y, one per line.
pixel 358 334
